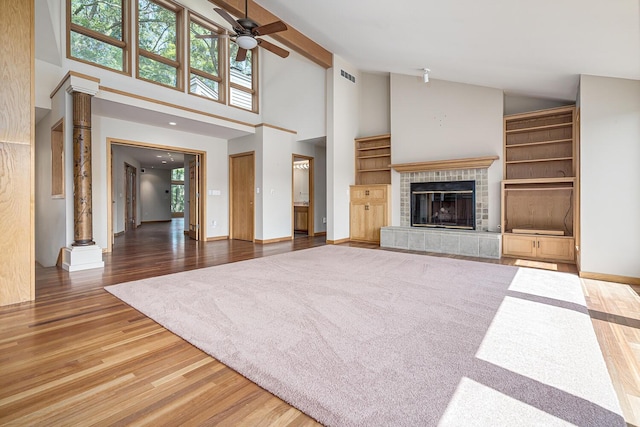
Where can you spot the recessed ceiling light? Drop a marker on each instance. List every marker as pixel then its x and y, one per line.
pixel 158 156
pixel 172 123
pixel 164 162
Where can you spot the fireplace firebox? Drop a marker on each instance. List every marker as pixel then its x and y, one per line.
pixel 449 204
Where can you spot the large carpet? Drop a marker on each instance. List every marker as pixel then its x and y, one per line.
pixel 360 337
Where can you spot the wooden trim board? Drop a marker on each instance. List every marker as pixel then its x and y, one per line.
pixel 276 240
pixel 339 241
pixel 440 165
pixel 534 231
pixel 610 278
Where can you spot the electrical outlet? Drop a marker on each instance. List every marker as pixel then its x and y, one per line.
pixel 324 219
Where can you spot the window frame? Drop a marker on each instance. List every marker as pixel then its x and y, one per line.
pixel 254 81
pixel 223 48
pixel 178 64
pixel 123 44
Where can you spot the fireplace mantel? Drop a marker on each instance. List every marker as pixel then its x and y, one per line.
pixel 443 165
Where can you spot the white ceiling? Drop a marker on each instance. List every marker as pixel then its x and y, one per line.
pixel 534 48
pixel 152 158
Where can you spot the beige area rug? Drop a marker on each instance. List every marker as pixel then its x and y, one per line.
pixel 361 337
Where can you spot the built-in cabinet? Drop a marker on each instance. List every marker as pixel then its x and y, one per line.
pixel 301 217
pixel 370 207
pixel 370 210
pixel 539 190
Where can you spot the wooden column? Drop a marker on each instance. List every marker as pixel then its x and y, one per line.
pixel 82 199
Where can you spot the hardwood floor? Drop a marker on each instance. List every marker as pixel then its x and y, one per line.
pixel 80 356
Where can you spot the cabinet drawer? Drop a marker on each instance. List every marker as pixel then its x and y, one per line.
pixel 369 192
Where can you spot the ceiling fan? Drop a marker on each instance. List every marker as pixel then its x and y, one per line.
pixel 246 31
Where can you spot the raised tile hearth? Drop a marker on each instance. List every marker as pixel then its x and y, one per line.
pixel 483 244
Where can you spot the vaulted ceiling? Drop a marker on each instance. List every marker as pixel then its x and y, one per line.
pixel 535 48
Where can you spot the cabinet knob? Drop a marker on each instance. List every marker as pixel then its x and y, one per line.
pixel 366 192
pixel 366 207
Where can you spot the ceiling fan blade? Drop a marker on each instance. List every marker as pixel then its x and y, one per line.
pixel 241 55
pixel 273 48
pixel 228 18
pixel 274 27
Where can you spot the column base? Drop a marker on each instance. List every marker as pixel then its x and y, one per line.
pixel 76 258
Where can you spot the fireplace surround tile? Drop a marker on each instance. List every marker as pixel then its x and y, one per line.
pixel 455 242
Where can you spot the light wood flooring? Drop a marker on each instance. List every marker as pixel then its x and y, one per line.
pixel 79 356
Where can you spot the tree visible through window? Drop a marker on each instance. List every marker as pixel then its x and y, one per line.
pixel 158 41
pixel 177 192
pixel 205 76
pixel 97 32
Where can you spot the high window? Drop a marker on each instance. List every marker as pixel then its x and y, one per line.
pixel 242 91
pixel 205 74
pixel 98 32
pixel 166 48
pixel 159 42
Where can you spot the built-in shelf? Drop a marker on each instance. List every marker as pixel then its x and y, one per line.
pixel 539 209
pixel 538 128
pixel 373 156
pixel 528 144
pixel 554 159
pixel 378 147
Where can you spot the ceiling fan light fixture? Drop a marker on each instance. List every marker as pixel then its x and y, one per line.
pixel 246 42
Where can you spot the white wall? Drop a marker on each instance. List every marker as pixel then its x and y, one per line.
pixel 515 104
pixel 610 175
pixel 342 129
pixel 50 223
pixel 444 120
pixel 375 104
pixel 155 194
pixel 292 94
pixel 277 183
pixel 320 188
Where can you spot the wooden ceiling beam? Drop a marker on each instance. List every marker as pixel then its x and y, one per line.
pixel 291 38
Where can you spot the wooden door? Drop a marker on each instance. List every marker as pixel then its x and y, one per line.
pixel 242 190
pixel 194 198
pixel 131 196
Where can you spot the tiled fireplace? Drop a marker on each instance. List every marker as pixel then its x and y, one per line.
pixel 478 242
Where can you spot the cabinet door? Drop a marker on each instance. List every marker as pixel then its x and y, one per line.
pixel 375 217
pixel 519 245
pixel 556 248
pixel 358 226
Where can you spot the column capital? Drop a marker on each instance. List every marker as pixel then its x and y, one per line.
pixel 80 84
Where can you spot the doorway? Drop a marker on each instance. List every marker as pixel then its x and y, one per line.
pixel 241 192
pixel 131 199
pixel 302 196
pixel 128 212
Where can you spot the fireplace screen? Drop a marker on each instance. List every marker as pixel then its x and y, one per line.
pixel 443 204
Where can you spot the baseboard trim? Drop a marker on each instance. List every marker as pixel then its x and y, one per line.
pixel 120 233
pixel 337 242
pixel 320 233
pixel 215 238
pixel 610 278
pixel 276 240
pixel 151 222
